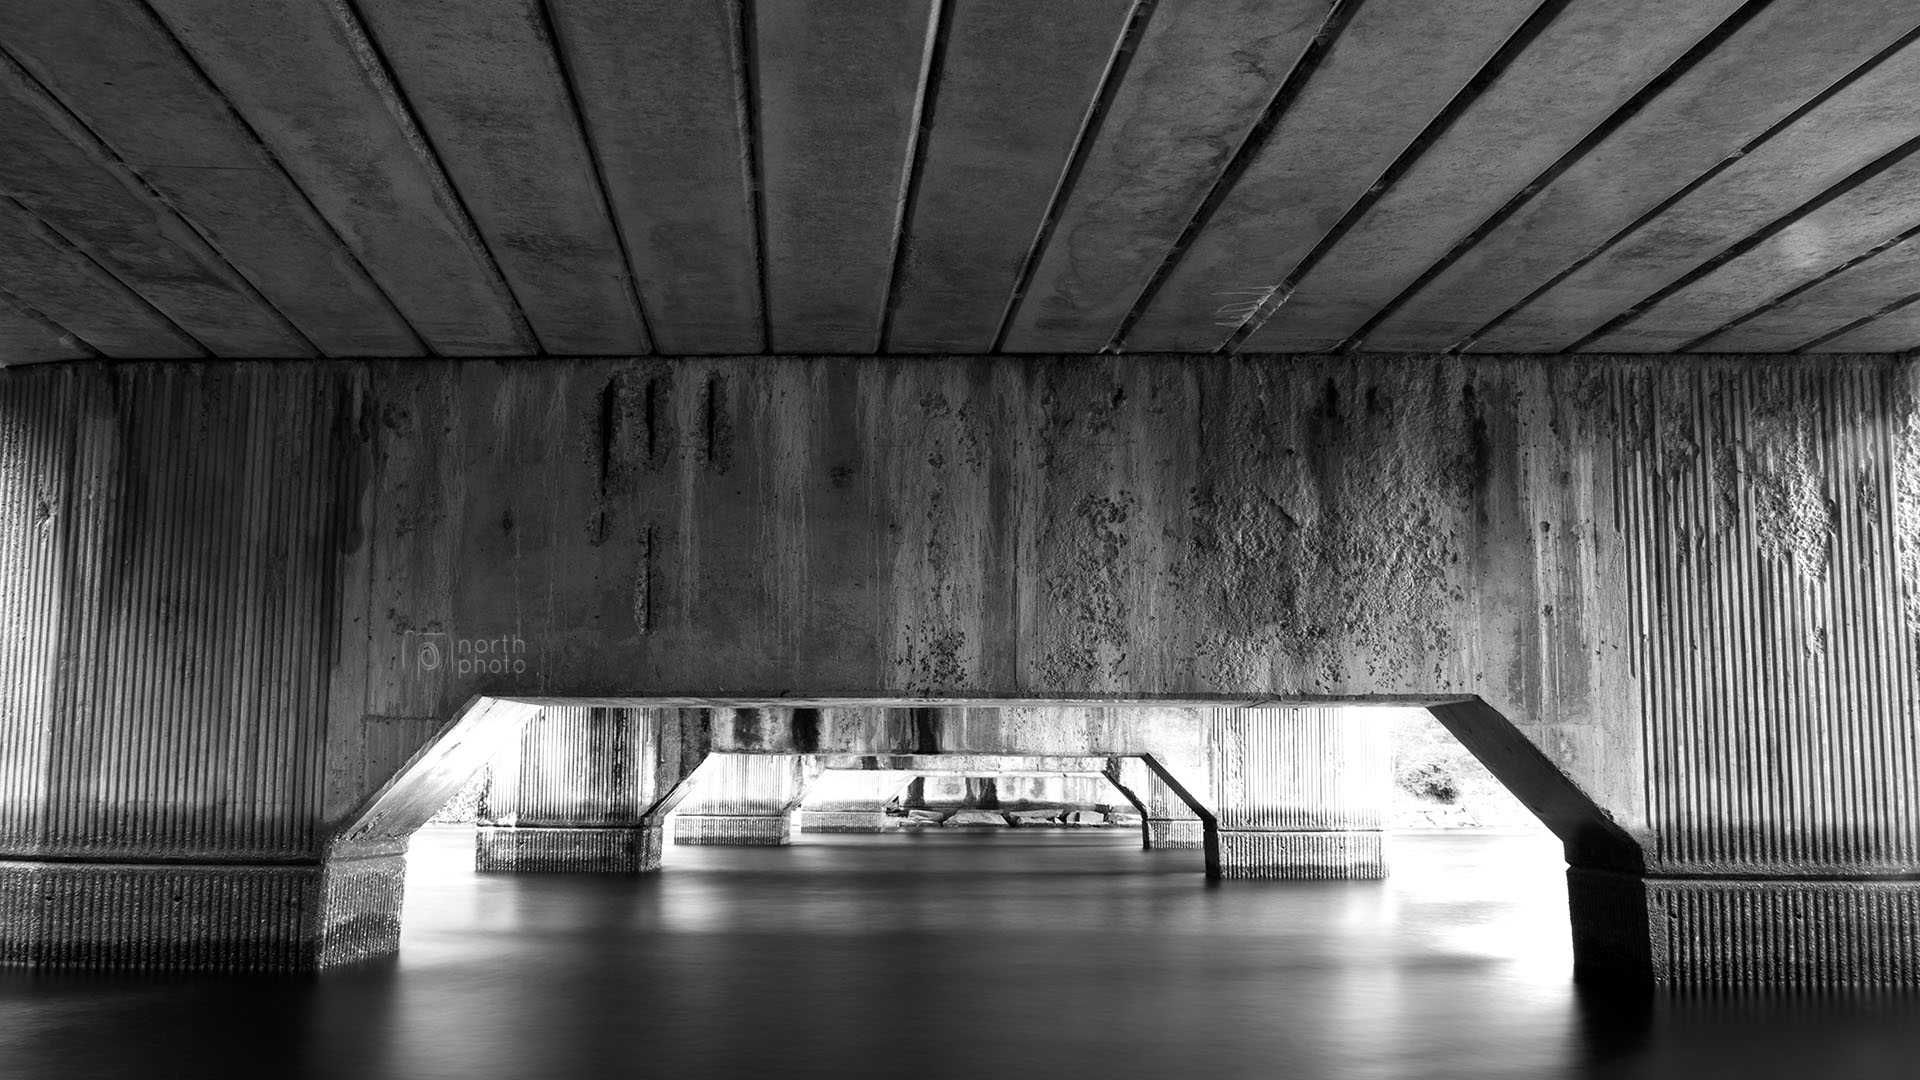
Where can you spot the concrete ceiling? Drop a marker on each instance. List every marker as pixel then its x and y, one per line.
pixel 287 178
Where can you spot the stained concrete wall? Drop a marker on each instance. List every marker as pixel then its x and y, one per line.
pixel 1691 586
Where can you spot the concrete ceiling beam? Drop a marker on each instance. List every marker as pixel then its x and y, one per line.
pixel 1807 248
pixel 1816 160
pixel 1534 112
pixel 486 80
pixel 1016 84
pixel 1202 75
pixel 840 86
pixel 1889 277
pixel 116 67
pixel 1896 330
pixel 1391 72
pixel 50 275
pixel 662 90
pixel 306 79
pixel 1771 65
pixel 28 337
pixel 58 169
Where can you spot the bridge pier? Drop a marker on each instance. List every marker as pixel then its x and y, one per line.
pixel 581 789
pixel 570 796
pixel 1725 930
pixel 1166 821
pixel 745 799
pixel 1288 793
pixel 852 801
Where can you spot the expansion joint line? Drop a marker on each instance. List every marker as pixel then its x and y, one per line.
pixel 379 74
pixel 1256 138
pixel 273 164
pixel 932 64
pixel 1090 126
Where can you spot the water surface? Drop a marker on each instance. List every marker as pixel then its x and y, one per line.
pixel 955 954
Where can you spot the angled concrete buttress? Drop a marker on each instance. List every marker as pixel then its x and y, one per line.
pixel 1166 821
pixel 1671 601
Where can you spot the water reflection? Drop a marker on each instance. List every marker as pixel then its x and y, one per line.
pixel 954 955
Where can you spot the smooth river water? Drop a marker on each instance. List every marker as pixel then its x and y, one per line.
pixel 1017 954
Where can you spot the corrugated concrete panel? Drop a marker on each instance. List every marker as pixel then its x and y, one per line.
pixel 1391 71
pixel 746 785
pixel 1537 109
pixel 664 95
pixel 178 554
pixel 1782 740
pixel 305 79
pixel 492 95
pixel 1864 124
pixel 1195 85
pixel 574 767
pixel 1773 64
pixel 1299 770
pixel 840 85
pixel 1015 85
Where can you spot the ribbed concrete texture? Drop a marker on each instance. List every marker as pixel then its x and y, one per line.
pixel 199 916
pixel 1321 855
pixel 1737 931
pixel 170 581
pixel 576 792
pixel 1166 821
pixel 530 849
pixel 851 800
pixel 744 829
pixel 744 799
pixel 847 821
pixel 1293 793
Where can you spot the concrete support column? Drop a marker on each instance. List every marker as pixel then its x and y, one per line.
pixel 1292 793
pixel 570 795
pixel 1727 930
pixel 852 801
pixel 744 799
pixel 1166 820
pixel 171 653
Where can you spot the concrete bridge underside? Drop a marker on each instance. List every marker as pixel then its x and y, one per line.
pixel 255 620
